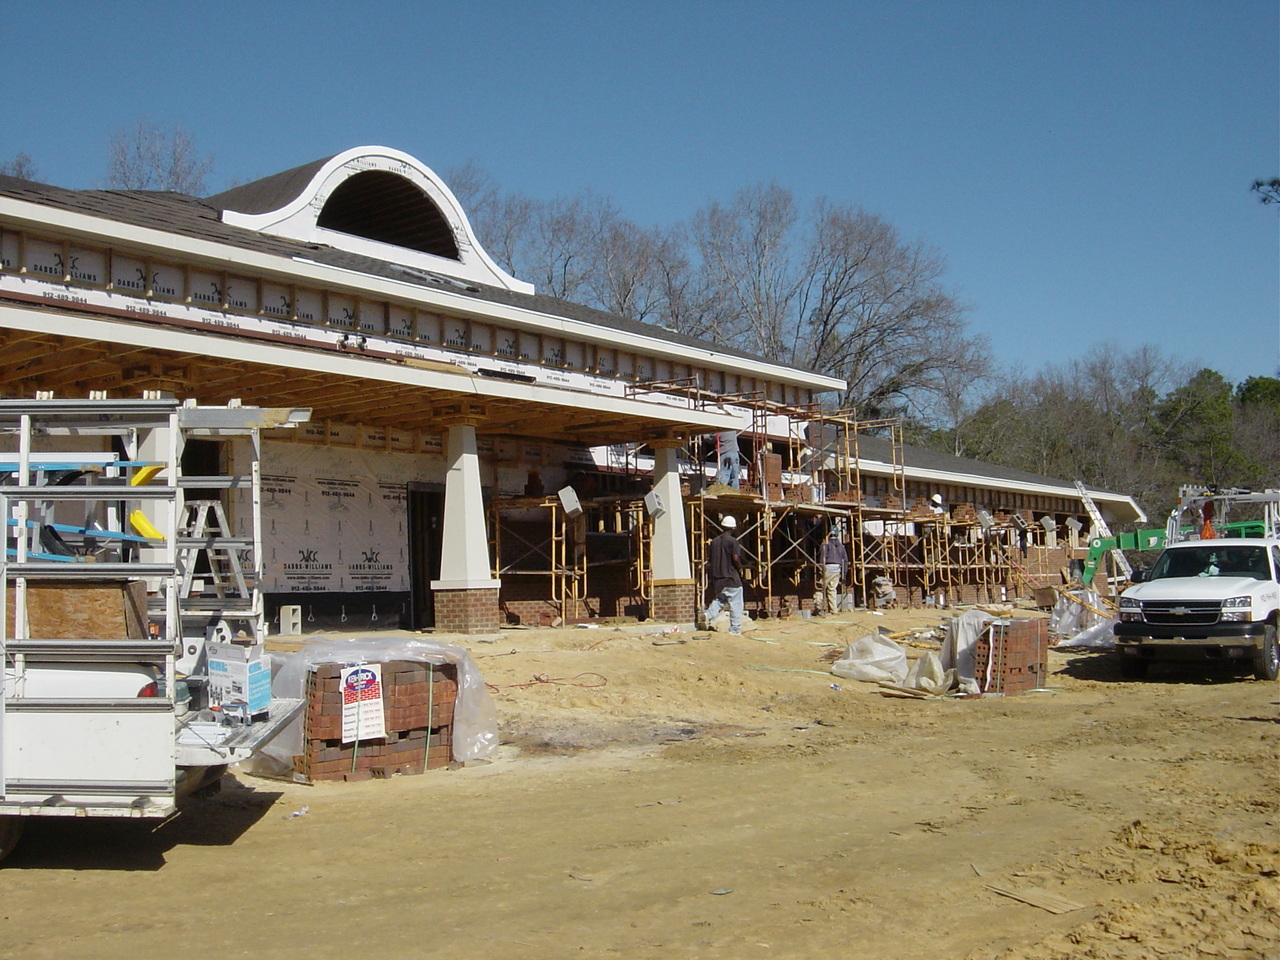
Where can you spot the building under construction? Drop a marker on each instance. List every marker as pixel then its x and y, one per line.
pixel 476 453
pixel 958 535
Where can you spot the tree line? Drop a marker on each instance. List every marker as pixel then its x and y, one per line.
pixel 836 289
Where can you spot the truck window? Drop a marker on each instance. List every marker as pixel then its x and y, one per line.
pixel 1246 562
pixel 1215 560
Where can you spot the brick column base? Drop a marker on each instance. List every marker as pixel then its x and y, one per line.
pixel 466 611
pixel 674 601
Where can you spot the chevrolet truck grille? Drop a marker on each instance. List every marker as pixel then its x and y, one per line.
pixel 1189 613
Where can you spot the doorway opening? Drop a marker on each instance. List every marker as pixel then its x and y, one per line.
pixel 426 521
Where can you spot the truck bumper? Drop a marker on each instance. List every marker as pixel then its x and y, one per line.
pixel 1220 642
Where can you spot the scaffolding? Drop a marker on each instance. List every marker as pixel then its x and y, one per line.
pixel 801 473
pixel 536 537
pixel 540 540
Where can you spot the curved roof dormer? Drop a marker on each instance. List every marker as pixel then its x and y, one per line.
pixel 372 201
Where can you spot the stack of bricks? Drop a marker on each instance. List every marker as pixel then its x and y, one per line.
pixel 1012 656
pixel 920 508
pixel 418 703
pixel 845 496
pixel 800 492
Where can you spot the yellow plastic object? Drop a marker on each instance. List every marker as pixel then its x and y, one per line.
pixel 145 474
pixel 142 526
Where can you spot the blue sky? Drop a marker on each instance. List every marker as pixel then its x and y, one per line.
pixel 1084 167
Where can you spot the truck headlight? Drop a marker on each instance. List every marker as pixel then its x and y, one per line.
pixel 1237 609
pixel 1130 609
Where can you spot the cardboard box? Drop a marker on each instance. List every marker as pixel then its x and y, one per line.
pixel 239 674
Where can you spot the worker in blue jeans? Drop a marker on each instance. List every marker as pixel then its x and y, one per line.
pixel 724 574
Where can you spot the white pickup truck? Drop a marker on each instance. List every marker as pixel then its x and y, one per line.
pixel 1207 600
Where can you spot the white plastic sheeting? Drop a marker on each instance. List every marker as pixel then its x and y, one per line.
pixel 1100 635
pixel 962 635
pixel 475 719
pixel 872 659
pixel 928 676
pixel 1080 626
pixel 1070 615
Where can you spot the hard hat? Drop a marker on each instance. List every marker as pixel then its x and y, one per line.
pixel 937 498
pixel 728 523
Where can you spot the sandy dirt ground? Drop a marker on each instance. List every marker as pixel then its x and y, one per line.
pixel 662 795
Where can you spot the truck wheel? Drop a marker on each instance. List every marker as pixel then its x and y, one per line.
pixel 1266 662
pixel 1132 668
pixel 10 832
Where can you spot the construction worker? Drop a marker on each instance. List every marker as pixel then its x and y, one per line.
pixel 724 574
pixel 834 561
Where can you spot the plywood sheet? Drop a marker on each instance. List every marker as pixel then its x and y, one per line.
pixel 77 611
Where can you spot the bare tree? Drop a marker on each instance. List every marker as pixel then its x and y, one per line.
pixel 745 250
pixel 1100 418
pixel 838 291
pixel 690 299
pixel 474 188
pixel 147 157
pixel 20 166
pixel 567 245
pixel 1268 191
pixel 959 390
pixel 872 310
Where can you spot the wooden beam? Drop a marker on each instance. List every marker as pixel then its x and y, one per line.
pixel 59 362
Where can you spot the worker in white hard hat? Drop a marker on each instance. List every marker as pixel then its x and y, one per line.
pixel 724 575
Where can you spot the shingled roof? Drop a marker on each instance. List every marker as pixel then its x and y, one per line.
pixel 269 193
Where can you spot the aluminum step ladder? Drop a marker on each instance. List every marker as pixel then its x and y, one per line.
pixel 1101 529
pixel 205 531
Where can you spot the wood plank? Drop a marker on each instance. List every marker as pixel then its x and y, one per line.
pixel 1036 897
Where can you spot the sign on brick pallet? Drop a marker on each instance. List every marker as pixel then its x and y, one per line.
pixel 417 707
pixel 362 709
pixel 1012 656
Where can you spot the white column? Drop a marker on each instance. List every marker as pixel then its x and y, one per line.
pixel 464 555
pixel 670 542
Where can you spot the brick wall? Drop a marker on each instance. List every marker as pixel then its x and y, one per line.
pixel 466 611
pixel 608 593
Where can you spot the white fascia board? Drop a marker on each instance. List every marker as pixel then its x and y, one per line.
pixel 581 330
pixel 171 246
pixel 255 351
pixel 1115 500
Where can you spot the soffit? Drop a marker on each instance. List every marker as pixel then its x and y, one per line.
pixel 71 354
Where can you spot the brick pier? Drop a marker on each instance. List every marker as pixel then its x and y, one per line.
pixel 674 601
pixel 466 611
